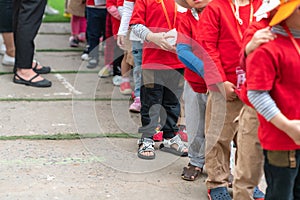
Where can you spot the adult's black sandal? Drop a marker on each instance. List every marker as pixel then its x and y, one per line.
pixel 43 70
pixel 43 83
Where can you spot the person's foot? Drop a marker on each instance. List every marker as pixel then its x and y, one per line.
pixel 106 71
pixel 146 149
pixel 191 172
pixel 30 78
pixel 50 11
pixel 93 63
pixel 8 60
pixel 39 69
pixel 175 146
pixel 73 41
pixel 125 88
pixel 135 107
pixel 2 49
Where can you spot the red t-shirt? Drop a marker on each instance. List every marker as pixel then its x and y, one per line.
pixel 221 39
pixel 248 34
pixel 150 13
pixel 275 67
pixel 188 34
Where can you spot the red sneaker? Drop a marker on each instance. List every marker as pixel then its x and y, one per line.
pixel 183 134
pixel 125 88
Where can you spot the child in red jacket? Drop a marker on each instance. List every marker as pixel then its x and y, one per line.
pixel 273 89
pixel 162 80
pixel 222 24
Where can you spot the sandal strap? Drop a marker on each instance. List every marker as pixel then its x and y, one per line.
pixel 22 79
pixel 175 140
pixel 147 145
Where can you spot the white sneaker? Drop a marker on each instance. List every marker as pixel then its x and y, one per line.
pixel 50 11
pixel 117 80
pixel 2 49
pixel 8 60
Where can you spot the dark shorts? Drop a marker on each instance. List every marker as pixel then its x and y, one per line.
pixel 6 15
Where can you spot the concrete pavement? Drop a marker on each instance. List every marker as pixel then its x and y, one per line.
pixel 100 165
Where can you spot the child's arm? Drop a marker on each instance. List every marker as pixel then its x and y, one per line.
pixel 185 55
pixel 265 105
pixel 124 25
pixel 160 39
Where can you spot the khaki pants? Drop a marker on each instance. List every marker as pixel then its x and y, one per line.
pixel 249 163
pixel 219 132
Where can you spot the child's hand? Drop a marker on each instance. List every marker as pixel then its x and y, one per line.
pixel 260 37
pixel 293 130
pixel 160 39
pixel 121 41
pixel 230 91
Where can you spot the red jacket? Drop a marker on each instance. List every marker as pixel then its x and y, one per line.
pixel 274 67
pixel 150 13
pixel 221 39
pixel 188 34
pixel 255 26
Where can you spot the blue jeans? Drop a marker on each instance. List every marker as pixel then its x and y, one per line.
pixel 137 51
pixel 96 21
pixel 283 182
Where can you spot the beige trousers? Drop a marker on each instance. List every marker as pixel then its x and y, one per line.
pixel 249 162
pixel 219 132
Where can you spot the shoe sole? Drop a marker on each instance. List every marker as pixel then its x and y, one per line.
pixel 126 92
pixel 134 111
pixel 8 63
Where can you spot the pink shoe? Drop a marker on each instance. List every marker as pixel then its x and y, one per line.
pixel 125 88
pixel 135 106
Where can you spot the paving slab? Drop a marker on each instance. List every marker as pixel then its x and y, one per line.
pixel 66 170
pixel 74 85
pixel 55 28
pixel 66 117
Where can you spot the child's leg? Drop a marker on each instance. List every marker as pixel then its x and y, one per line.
pixel 151 94
pixel 75 25
pixel 220 131
pixel 173 88
pixel 82 29
pixel 195 105
pixel 125 87
pixel 282 182
pixel 95 23
pixel 249 162
pixel 137 51
pixel 9 44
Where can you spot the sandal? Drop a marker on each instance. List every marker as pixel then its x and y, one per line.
pixel 43 70
pixel 146 145
pixel 191 172
pixel 43 83
pixel 219 193
pixel 171 144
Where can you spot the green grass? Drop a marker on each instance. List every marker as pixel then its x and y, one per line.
pixel 59 5
pixel 73 136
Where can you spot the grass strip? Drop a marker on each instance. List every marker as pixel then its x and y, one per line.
pixel 61 50
pixel 72 136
